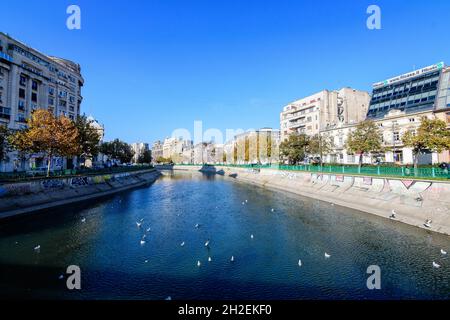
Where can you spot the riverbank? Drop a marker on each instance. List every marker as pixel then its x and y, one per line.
pixel 414 201
pixel 32 196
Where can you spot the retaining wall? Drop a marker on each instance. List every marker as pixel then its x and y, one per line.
pixel 26 197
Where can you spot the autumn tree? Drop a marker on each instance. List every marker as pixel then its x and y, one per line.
pixel 365 139
pixel 432 135
pixel 88 138
pixel 295 148
pixel 320 145
pixel 48 135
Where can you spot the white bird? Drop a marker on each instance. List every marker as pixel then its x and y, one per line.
pixel 139 224
pixel 443 252
pixel 251 236
pixel 272 210
pixel 182 244
pixel 141 220
pixel 232 259
pixel 243 203
pixel 83 220
pixel 142 242
pixel 197 225
pixel 209 259
pixel 61 277
pixel 299 262
pixel 327 255
pixel 169 298
pixel 146 261
pixel 148 230
pixel 435 265
pixel 428 223
pixel 37 248
pixel 207 243
pixel 393 215
pixel 246 201
pixel 199 263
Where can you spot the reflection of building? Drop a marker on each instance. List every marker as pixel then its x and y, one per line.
pixel 31 80
pixel 323 110
pixel 397 106
pixel 139 148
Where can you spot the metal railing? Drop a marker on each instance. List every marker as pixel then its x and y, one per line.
pixel 389 171
pixel 31 174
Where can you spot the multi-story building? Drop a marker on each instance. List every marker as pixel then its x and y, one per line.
pixel 397 106
pixel 257 146
pixel 139 148
pixel 31 80
pixel 157 151
pixel 99 159
pixel 323 110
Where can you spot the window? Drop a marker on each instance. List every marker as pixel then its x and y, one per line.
pixel 51 101
pixel 34 96
pixel 34 85
pixel 21 105
pixel 51 91
pixel 62 103
pixel 412 119
pixel 396 136
pixel 23 81
pixel 22 93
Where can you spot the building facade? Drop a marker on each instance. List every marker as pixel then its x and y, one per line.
pixel 31 80
pixel 397 106
pixel 157 151
pixel 324 110
pixel 139 148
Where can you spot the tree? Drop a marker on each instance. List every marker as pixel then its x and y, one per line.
pixel 48 135
pixel 117 150
pixel 295 148
pixel 88 137
pixel 320 145
pixel 5 146
pixel 164 160
pixel 431 135
pixel 145 157
pixel 365 139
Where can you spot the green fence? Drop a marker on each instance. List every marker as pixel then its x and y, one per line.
pixel 398 171
pixel 28 175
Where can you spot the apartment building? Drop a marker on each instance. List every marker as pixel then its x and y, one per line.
pixel 323 110
pixel 139 148
pixel 31 80
pixel 397 106
pixel 157 151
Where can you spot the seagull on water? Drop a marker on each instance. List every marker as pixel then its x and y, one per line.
pixel 299 262
pixel 37 248
pixel 83 220
pixel 251 236
pixel 232 259
pixel 139 224
pixel 148 229
pixel 272 210
pixel 199 263
pixel 142 242
pixel 207 243
pixel 443 252
pixel 182 244
pixel 146 261
pixel 169 298
pixel 197 225
pixel 246 201
pixel 327 255
pixel 209 259
pixel 435 265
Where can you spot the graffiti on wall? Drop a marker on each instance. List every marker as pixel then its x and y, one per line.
pixel 79 181
pixel 52 184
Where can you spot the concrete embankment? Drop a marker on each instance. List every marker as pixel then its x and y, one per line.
pixel 31 196
pixel 414 201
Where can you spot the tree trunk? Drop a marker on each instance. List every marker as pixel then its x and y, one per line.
pixel 49 164
pixel 360 161
pixel 416 161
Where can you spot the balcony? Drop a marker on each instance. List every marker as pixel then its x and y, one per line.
pixel 5 113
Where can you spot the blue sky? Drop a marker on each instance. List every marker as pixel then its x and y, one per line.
pixel 153 66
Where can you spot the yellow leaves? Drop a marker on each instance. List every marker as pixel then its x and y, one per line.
pixel 48 134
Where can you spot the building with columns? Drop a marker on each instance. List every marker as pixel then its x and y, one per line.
pixel 31 80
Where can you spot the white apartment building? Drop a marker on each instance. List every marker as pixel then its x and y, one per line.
pixel 173 148
pixel 139 148
pixel 325 109
pixel 157 151
pixel 31 80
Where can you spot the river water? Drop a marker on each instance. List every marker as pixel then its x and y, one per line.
pixel 115 265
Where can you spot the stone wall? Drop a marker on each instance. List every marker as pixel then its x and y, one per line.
pixel 23 197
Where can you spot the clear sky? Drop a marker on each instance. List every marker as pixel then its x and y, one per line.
pixel 153 66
